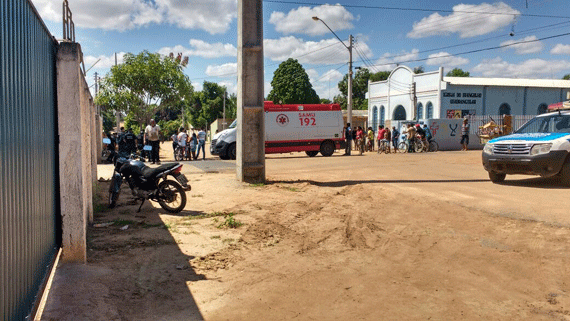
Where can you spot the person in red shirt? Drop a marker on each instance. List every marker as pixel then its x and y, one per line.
pixel 381 136
pixel 360 139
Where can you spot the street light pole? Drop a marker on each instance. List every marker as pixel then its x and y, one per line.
pixel 349 47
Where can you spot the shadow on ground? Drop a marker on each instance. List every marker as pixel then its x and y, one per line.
pixel 135 269
pixel 376 181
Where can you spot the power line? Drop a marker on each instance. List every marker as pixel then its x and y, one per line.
pixel 417 9
pixel 479 50
pixel 546 27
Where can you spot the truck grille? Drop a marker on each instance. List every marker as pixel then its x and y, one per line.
pixel 511 149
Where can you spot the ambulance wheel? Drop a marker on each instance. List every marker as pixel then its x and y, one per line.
pixel 232 151
pixel 224 157
pixel 497 177
pixel 327 148
pixel 312 153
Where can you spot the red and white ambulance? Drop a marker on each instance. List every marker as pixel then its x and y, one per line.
pixel 311 128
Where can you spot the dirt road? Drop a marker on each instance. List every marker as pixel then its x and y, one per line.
pixel 374 237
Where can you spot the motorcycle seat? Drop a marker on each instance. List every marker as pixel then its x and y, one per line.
pixel 153 172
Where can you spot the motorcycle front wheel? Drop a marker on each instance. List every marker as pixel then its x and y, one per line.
pixel 171 196
pixel 113 194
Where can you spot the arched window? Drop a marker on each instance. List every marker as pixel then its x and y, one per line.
pixel 399 113
pixel 420 112
pixel 382 115
pixel 542 109
pixel 429 107
pixel 374 118
pixel 505 109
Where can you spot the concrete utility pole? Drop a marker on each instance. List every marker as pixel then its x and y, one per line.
pixel 250 158
pixel 349 100
pixel 224 112
pixel 349 47
pixel 415 102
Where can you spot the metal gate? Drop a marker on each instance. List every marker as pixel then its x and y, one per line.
pixel 30 229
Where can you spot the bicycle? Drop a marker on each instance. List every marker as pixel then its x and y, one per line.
pixel 180 153
pixel 369 146
pixel 433 145
pixel 384 147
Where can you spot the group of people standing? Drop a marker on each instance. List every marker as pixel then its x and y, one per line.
pixel 385 136
pixel 190 143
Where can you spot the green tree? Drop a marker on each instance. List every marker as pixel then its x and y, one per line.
pixel 291 85
pixel 108 119
pixel 359 90
pixel 380 76
pixel 566 77
pixel 325 101
pixel 419 70
pixel 145 84
pixel 209 105
pixel 457 72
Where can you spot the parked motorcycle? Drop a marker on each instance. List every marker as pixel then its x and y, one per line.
pixel 150 183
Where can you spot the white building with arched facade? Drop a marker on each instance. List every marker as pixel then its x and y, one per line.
pixel 455 97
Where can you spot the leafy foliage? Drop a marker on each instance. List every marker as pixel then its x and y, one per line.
pixel 167 128
pixel 145 84
pixel 291 85
pixel 359 88
pixel 108 119
pixel 566 77
pixel 419 70
pixel 209 105
pixel 457 72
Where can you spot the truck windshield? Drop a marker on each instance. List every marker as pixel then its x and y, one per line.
pixel 234 124
pixel 549 124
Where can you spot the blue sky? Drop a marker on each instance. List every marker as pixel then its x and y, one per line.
pixel 206 31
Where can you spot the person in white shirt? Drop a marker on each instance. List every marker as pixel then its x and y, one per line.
pixel 151 135
pixel 201 143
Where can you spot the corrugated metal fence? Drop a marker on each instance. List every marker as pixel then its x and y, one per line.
pixel 29 202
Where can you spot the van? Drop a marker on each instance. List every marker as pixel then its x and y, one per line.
pixel 539 147
pixel 311 128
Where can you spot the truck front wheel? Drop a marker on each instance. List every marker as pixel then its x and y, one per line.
pixel 232 151
pixel 327 148
pixel 565 174
pixel 496 177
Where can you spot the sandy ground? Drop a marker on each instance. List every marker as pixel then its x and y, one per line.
pixel 373 237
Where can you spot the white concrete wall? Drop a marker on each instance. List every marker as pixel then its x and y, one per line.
pixel 75 121
pixel 537 96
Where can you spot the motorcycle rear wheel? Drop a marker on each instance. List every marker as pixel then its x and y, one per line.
pixel 171 196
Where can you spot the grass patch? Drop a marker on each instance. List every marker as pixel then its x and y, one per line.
pixel 98 203
pixel 215 237
pixel 257 185
pixel 197 195
pixel 228 240
pixel 202 216
pixel 229 222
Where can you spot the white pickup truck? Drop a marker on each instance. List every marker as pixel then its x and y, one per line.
pixel 540 147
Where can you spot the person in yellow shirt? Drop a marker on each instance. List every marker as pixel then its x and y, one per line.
pixel 370 144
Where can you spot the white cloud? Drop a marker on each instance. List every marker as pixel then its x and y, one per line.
pixel 465 24
pixel 532 46
pixel 446 60
pixel 389 61
pixel 225 70
pixel 532 68
pixel 213 16
pixel 325 84
pixel 300 20
pixel 560 49
pixel 231 86
pixel 200 48
pixel 328 51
